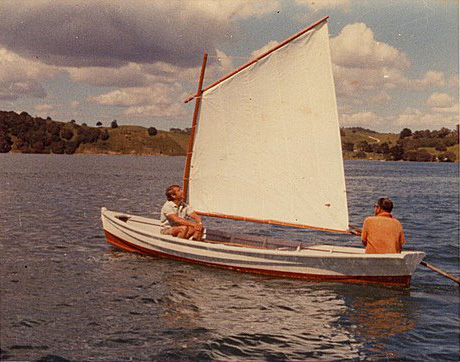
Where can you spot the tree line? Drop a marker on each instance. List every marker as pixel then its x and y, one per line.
pixel 410 146
pixel 38 135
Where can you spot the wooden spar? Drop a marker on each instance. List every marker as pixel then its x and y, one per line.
pixel 261 56
pixel 192 133
pixel 272 222
pixel 442 272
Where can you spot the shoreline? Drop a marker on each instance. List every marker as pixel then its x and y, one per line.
pixel 115 154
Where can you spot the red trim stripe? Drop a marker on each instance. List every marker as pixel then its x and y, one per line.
pixel 402 280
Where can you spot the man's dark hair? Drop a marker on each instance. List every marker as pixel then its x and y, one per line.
pixel 385 204
pixel 170 192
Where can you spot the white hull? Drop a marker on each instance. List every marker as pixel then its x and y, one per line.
pixel 261 256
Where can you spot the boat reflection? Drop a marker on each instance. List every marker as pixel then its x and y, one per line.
pixel 234 315
pixel 379 317
pixel 204 313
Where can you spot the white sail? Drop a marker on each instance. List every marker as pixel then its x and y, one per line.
pixel 267 143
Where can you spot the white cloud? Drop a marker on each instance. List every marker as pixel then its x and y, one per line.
pixel 20 77
pixel 367 71
pixel 380 98
pixel 74 104
pixel 440 100
pixel 264 49
pixel 159 101
pixel 365 68
pixel 43 107
pixel 130 75
pixel 414 118
pixel 361 119
pixel 355 47
pixel 431 78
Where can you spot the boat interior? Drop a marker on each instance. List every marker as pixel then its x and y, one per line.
pixel 215 236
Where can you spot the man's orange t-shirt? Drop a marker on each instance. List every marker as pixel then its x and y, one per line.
pixel 382 234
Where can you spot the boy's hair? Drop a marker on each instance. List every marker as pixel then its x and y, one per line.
pixel 385 204
pixel 170 192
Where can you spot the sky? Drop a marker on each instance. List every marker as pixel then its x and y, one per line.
pixel 395 62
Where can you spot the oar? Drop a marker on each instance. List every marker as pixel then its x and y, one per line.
pixel 358 231
pixel 442 272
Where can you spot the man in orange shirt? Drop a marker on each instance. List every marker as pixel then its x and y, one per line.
pixel 382 234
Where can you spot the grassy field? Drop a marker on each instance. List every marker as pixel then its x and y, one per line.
pixel 135 140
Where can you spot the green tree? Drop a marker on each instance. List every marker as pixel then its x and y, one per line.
pixel 104 135
pixel 396 152
pixel 406 132
pixel 360 154
pixel 66 134
pixel 349 146
pixel 152 131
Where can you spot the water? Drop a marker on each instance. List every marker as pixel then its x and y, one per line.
pixel 66 293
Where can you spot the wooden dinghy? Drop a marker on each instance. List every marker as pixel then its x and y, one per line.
pixel 245 253
pixel 265 147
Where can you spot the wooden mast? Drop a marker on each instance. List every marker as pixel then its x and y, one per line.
pixel 197 96
pixel 194 121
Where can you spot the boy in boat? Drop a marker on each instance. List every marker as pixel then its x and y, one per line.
pixel 176 215
pixel 382 234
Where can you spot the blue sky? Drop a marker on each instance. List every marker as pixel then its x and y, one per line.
pixel 395 62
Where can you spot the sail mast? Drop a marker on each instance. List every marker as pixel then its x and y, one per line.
pixel 194 121
pixel 242 133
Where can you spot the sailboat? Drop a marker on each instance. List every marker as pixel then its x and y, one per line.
pixel 265 148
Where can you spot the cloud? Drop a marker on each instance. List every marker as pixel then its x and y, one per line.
pixel 43 107
pixel 74 104
pixel 324 4
pixel 159 101
pixel 362 119
pixel 355 47
pixel 226 62
pixel 264 49
pixel 365 67
pixel 20 77
pixel 440 100
pixel 414 118
pixel 112 33
pixel 431 78
pixel 366 71
pixel 130 75
pixel 442 103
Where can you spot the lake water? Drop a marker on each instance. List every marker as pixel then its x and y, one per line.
pixel 67 294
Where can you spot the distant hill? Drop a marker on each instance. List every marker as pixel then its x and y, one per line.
pixel 27 134
pixel 423 146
